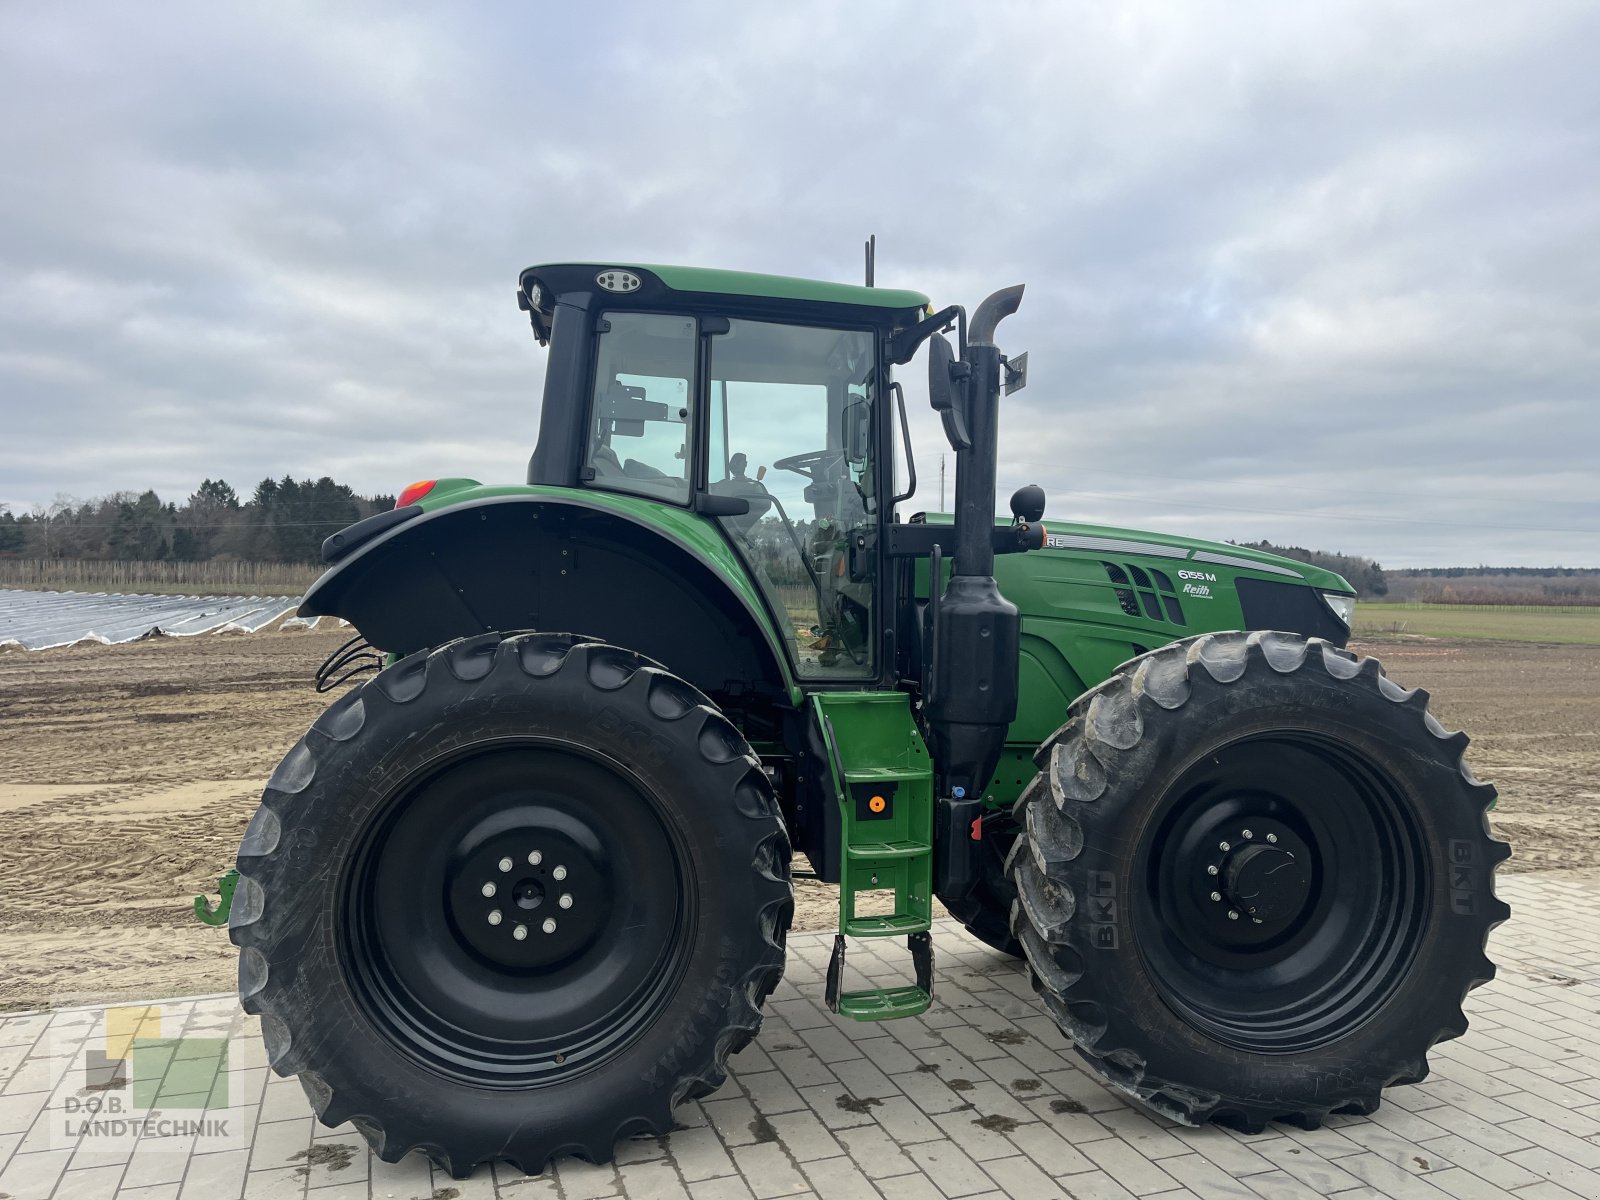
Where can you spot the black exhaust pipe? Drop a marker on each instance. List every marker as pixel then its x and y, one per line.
pixel 972 679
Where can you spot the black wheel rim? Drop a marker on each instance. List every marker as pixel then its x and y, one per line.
pixel 1285 882
pixel 517 916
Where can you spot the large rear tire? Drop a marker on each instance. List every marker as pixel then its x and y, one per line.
pixel 1256 880
pixel 514 897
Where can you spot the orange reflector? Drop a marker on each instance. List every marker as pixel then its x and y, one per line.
pixel 977 829
pixel 877 804
pixel 415 492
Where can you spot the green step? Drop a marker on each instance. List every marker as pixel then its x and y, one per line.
pixel 884 1004
pixel 887 850
pixel 872 741
pixel 886 926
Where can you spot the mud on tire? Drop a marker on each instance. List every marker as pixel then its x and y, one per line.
pixel 1255 880
pixel 363 907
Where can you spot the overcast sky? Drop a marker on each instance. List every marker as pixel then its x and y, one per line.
pixel 1323 274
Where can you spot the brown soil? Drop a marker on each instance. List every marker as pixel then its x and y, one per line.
pixel 1534 715
pixel 128 773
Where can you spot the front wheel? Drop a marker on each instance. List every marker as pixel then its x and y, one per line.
pixel 1255 880
pixel 512 898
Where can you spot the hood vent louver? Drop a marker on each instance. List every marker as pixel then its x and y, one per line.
pixel 1156 599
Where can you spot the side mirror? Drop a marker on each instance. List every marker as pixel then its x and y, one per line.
pixel 1027 503
pixel 947 392
pixel 857 439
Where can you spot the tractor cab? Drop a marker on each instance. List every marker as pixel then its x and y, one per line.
pixel 759 402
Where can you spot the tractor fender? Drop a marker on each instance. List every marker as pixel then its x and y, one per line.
pixel 657 579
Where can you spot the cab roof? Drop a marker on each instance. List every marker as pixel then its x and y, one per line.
pixel 644 282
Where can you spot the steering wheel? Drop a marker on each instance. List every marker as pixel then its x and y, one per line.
pixel 806 464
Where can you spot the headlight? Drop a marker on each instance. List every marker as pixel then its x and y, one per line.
pixel 1344 606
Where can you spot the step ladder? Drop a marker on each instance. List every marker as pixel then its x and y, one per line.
pixel 883 782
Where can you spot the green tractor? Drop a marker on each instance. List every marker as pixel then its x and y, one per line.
pixel 526 888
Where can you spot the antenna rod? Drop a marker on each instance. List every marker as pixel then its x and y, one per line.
pixel 872 258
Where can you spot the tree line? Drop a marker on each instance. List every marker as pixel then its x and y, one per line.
pixel 1363 574
pixel 1523 586
pixel 282 521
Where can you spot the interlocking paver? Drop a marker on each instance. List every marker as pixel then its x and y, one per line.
pixel 1276 1185
pixel 1050 1152
pixel 877 1154
pixel 652 1180
pixel 769 1170
pixel 1129 1168
pixel 1095 1185
pixel 219 1176
pixel 1464 1185
pixel 909 1187
pixel 838 1179
pixel 979 1097
pixel 771 1092
pixel 1556 1169
pixel 1320 1174
pixel 33 1174
pixel 699 1155
pixel 1018 1176
pixel 805 1136
pixel 1224 1152
pixel 93 1183
pixel 957 1174
pixel 586 1181
pixel 1550 1191
pixel 733 1119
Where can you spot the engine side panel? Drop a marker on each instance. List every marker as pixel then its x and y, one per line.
pixel 1094 598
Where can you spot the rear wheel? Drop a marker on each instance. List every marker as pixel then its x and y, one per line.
pixel 1256 880
pixel 514 897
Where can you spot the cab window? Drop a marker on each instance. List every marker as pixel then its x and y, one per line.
pixel 790 431
pixel 642 406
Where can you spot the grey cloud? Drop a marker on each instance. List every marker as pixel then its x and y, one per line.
pixel 1322 277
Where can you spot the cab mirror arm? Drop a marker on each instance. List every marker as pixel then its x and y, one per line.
pixel 904 345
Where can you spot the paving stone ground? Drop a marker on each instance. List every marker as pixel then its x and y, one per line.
pixel 978 1098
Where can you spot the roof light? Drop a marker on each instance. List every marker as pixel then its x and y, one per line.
pixel 415 492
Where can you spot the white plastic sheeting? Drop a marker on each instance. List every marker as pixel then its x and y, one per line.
pixel 40 620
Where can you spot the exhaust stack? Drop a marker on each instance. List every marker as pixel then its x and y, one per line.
pixel 972 679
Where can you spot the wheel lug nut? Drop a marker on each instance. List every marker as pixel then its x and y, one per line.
pixel 495 918
pixel 1272 837
pixel 520 932
pixel 559 873
pixel 1216 895
pixel 488 889
pixel 1232 916
pixel 1222 845
pixel 534 858
pixel 566 900
pixel 1248 834
pixel 505 864
pixel 1211 870
pixel 549 925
